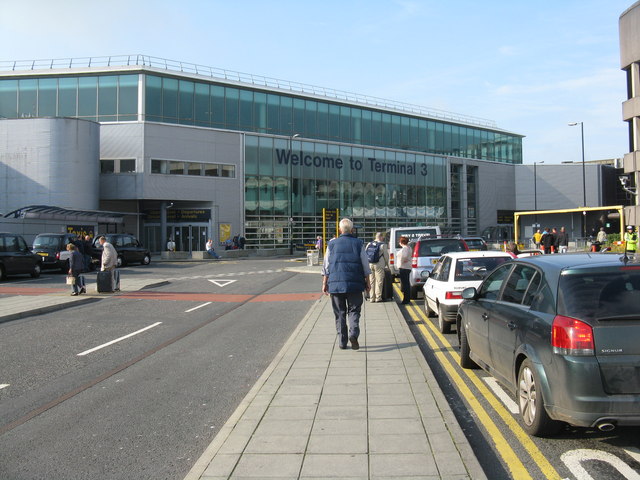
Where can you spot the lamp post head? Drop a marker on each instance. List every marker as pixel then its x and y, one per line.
pixel 573 124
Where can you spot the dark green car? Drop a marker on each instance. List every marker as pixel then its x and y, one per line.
pixel 561 332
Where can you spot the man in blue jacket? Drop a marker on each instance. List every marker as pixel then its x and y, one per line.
pixel 345 275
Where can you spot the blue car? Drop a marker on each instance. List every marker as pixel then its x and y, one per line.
pixel 561 333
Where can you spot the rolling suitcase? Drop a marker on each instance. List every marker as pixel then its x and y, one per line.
pixel 387 286
pixel 104 282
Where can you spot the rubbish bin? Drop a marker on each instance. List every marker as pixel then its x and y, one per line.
pixel 312 257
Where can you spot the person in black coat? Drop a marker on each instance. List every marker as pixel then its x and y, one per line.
pixel 76 267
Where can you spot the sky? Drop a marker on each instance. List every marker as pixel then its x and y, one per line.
pixel 531 67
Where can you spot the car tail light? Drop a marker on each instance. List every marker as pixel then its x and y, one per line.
pixel 391 257
pixel 57 255
pixel 453 295
pixel 414 259
pixel 570 336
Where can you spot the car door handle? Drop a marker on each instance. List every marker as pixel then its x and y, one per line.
pixel 485 316
pixel 511 325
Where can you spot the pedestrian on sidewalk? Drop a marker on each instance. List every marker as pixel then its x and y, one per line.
pixel 345 276
pixel 110 261
pixel 377 256
pixel 404 258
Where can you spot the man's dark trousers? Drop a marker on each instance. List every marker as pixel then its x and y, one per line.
pixel 347 306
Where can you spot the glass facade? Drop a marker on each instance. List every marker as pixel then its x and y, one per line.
pixel 101 98
pixel 209 105
pixel 289 182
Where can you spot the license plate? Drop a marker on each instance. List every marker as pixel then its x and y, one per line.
pixel 42 254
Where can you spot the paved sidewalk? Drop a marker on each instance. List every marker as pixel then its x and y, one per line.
pixel 322 412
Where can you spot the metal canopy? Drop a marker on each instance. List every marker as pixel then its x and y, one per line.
pixel 47 212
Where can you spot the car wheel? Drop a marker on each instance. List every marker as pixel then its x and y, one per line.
pixel 35 273
pixel 465 359
pixel 146 259
pixel 427 308
pixel 443 325
pixel 3 276
pixel 534 416
pixel 120 262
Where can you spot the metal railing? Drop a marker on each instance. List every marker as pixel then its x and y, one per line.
pixel 246 78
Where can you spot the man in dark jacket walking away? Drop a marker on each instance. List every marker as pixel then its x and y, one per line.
pixel 345 275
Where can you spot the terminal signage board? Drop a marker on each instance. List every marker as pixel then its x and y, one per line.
pixel 505 216
pixel 181 215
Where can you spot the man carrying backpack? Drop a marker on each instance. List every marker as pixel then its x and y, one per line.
pixel 377 255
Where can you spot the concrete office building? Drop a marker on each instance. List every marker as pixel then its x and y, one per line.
pixel 193 152
pixel 630 63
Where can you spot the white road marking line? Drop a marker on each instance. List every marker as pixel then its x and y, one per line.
pixel 573 460
pixel 502 395
pixel 222 283
pixel 196 308
pixel 117 340
pixel 633 452
pixel 3 385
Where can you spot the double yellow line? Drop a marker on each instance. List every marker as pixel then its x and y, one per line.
pixel 450 359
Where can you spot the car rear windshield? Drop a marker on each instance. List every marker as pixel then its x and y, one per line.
pixel 474 242
pixel 440 246
pixel 468 269
pixel 47 241
pixel 600 295
pixel 415 234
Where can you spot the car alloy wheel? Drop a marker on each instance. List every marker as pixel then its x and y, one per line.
pixel 146 260
pixel 531 402
pixel 443 325
pixel 35 273
pixel 427 308
pixel 465 351
pixel 119 262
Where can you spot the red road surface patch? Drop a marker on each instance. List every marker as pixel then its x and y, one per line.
pixel 218 297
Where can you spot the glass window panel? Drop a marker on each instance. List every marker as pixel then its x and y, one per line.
pixel 169 99
pixel 308 196
pixel 107 98
pixel 356 125
pixel 250 155
pixel 232 97
pixel 87 96
pixel 414 135
pixel 27 97
pixel 395 131
pixel 376 128
pixel 345 123
pixel 107 166
pixel 404 132
pixel 386 130
pixel 194 169
pixel 229 171
pixel 128 165
pixel 282 168
pixel 265 156
pixel 251 194
pixel 260 112
pixel 217 105
pixel 298 116
pixel 9 98
pixel 246 110
pixel 266 195
pixel 423 134
pixel 153 98
pixel 310 110
pixel 47 97
pixel 273 114
pixel 176 168
pixel 128 97
pixel 201 104
pixel 281 196
pixel 286 116
pixel 446 143
pixel 366 127
pixel 334 122
pixel 211 170
pixel 322 127
pixel 185 100
pixel 158 166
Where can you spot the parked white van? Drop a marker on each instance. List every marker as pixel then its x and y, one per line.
pixel 412 233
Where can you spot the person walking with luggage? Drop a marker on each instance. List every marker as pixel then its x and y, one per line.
pixel 110 261
pixel 345 275
pixel 377 256
pixel 76 267
pixel 404 257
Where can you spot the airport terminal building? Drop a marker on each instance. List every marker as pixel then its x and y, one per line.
pixel 193 152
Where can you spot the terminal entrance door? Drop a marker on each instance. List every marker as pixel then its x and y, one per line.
pixel 189 238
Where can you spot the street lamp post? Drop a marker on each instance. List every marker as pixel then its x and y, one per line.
pixel 584 185
pixel 295 135
pixel 535 191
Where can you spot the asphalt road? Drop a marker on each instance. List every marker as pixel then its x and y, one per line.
pixel 148 405
pixel 575 453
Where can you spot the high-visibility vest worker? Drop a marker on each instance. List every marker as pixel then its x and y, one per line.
pixel 631 240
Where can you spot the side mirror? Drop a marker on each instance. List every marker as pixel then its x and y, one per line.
pixel 470 293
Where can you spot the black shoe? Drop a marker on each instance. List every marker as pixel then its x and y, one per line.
pixel 342 347
pixel 83 290
pixel 354 343
pixel 74 294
